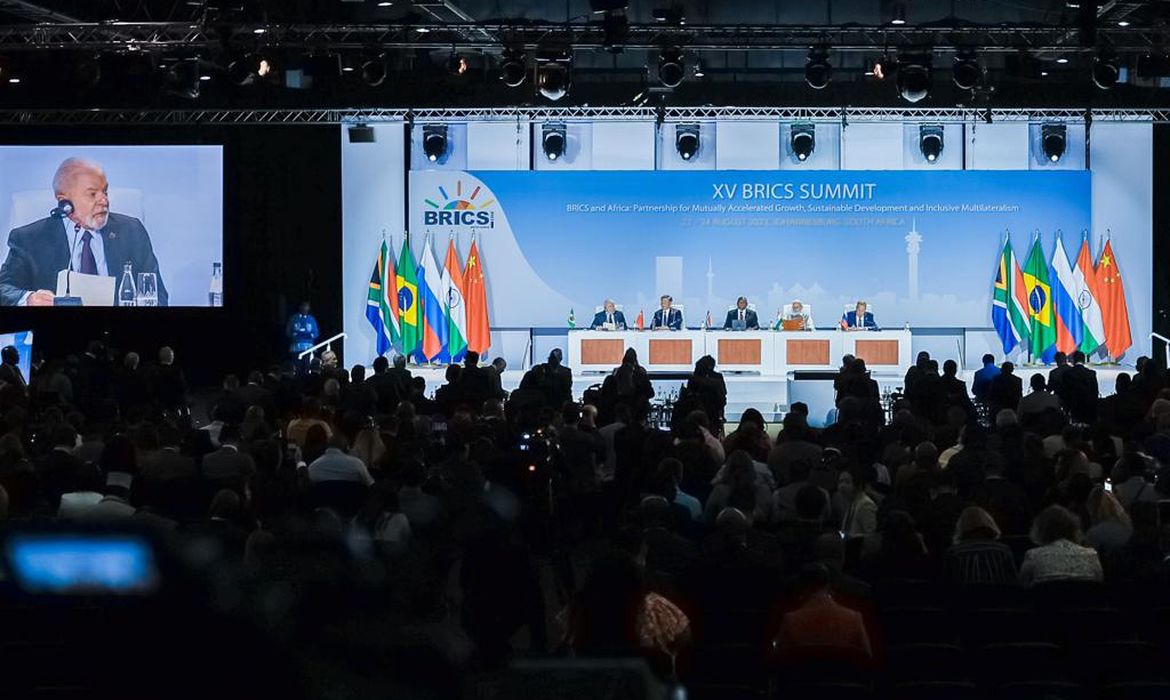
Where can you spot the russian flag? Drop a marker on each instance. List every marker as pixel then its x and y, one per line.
pixel 434 318
pixel 1070 326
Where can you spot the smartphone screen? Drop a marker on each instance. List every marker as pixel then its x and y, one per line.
pixel 82 564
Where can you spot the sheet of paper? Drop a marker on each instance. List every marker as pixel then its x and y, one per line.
pixel 94 290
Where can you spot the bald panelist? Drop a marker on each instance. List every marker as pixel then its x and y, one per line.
pixel 81 234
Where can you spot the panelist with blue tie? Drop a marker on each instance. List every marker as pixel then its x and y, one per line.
pixel 609 318
pixel 667 318
pixel 858 320
pixel 741 318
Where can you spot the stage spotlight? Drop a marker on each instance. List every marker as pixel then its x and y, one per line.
pixel 930 141
pixel 1106 70
pixel 898 18
pixel 671 66
pixel 914 77
pixel 183 78
pixel 966 72
pixel 686 140
pixel 434 141
pixel 1053 140
pixel 457 65
pixel 513 67
pixel 10 72
pixel 373 70
pixel 803 140
pixel 246 70
pixel 553 74
pixel 552 140
pixel 817 70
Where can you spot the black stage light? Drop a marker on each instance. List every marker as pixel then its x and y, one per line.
pixel 250 68
pixel 966 72
pixel 686 140
pixel 1106 70
pixel 553 74
pixel 434 141
pixel 803 140
pixel 184 77
pixel 1053 140
pixel 552 140
pixel 671 66
pixel 930 141
pixel 513 67
pixel 817 70
pixel 361 133
pixel 914 77
pixel 373 70
pixel 615 27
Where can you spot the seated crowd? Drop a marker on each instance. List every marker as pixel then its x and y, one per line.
pixel 899 545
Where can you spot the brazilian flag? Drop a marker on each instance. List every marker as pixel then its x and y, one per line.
pixel 408 306
pixel 1041 319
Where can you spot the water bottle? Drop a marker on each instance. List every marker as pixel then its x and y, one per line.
pixel 215 294
pixel 127 295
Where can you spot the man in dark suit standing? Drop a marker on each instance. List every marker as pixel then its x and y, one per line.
pixel 741 313
pixel 1081 390
pixel 668 317
pixel 1006 389
pixel 83 235
pixel 858 319
pixel 609 318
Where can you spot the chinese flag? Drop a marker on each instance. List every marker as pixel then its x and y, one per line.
pixel 1110 293
pixel 479 326
pixel 641 320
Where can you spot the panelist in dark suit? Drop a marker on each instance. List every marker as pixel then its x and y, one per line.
pixel 858 319
pixel 609 315
pixel 742 314
pixel 668 317
pixel 98 241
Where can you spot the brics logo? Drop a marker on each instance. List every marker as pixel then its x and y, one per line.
pixel 459 211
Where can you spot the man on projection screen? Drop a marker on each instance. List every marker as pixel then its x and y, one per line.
pixel 101 241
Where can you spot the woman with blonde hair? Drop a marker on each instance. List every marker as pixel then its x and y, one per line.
pixel 977 556
pixel 1109 524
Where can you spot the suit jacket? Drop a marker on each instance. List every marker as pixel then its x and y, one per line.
pixel 672 320
pixel 1006 392
pixel 619 320
pixel 850 319
pixel 227 463
pixel 1081 393
pixel 750 319
pixel 38 251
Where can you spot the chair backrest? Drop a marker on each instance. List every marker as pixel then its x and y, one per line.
pixel 805 309
pixel 32 205
pixel 616 307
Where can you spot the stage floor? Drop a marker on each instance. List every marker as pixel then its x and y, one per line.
pixel 769 395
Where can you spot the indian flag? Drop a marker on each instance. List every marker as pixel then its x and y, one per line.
pixel 1094 333
pixel 451 287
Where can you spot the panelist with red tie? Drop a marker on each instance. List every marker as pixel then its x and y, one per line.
pixel 741 317
pixel 859 319
pixel 80 234
pixel 667 317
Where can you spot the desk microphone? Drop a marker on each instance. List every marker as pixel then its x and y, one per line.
pixel 68 299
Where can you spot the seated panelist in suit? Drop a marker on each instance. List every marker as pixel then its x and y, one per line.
pixel 667 318
pixel 858 319
pixel 743 314
pixel 609 318
pixel 96 240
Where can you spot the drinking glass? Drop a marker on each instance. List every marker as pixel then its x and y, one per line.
pixel 147 289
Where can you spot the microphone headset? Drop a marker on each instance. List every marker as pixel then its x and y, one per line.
pixel 63 209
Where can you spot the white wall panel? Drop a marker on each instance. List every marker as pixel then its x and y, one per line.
pixel 997 146
pixel 872 147
pixel 498 145
pixel 747 145
pixel 623 145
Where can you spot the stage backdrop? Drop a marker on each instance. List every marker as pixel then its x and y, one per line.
pixel 921 247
